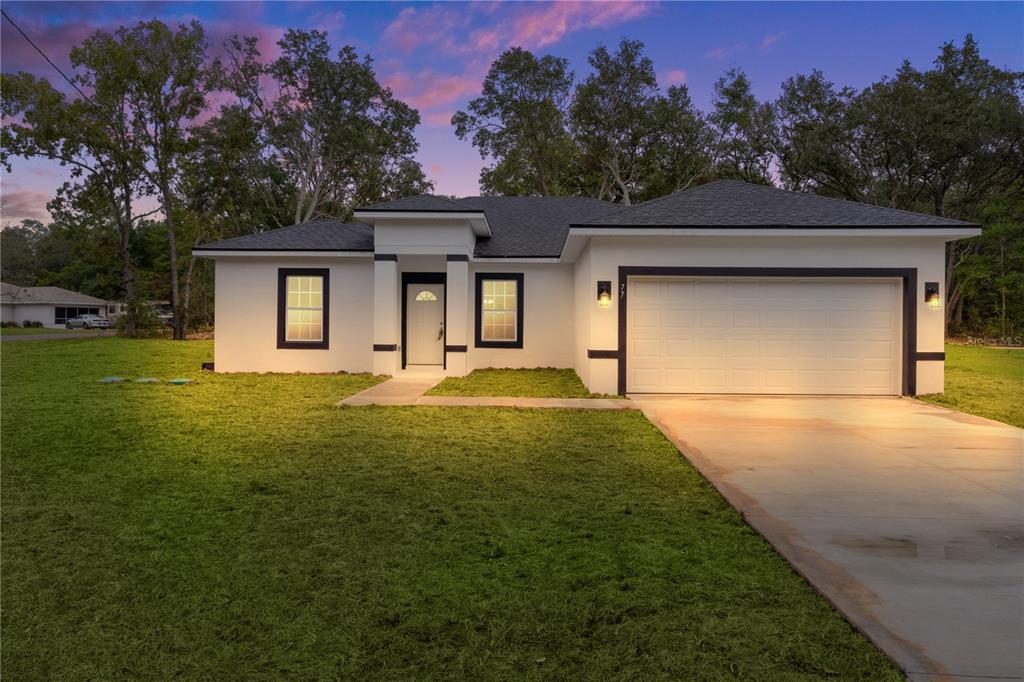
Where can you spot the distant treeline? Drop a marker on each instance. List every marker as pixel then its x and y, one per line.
pixel 236 144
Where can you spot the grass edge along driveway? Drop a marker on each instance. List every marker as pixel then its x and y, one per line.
pixel 242 527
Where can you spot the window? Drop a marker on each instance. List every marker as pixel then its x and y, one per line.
pixel 61 314
pixel 499 310
pixel 426 295
pixel 302 308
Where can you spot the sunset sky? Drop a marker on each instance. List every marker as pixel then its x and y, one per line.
pixel 434 56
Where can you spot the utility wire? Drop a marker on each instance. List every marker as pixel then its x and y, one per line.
pixel 50 61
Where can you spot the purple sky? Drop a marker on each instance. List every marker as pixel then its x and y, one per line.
pixel 434 56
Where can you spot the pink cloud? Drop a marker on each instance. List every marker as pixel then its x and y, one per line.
pixel 436 169
pixel 438 118
pixel 446 27
pixel 723 52
pixel 770 40
pixel 18 205
pixel 537 28
pixel 428 89
pixel 674 77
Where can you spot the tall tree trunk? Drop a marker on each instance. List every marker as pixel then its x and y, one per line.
pixel 122 210
pixel 178 321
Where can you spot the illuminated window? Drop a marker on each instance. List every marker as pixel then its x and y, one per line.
pixel 426 295
pixel 499 311
pixel 302 308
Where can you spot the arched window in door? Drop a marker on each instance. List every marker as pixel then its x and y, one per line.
pixel 426 295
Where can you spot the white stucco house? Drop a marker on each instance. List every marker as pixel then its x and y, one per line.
pixel 723 288
pixel 52 306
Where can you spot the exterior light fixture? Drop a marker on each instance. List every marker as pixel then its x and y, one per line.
pixel 604 293
pixel 932 295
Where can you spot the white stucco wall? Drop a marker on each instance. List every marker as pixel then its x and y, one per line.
pixel 245 338
pixel 33 312
pixel 548 326
pixel 606 254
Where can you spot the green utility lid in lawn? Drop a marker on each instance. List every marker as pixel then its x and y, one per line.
pixel 178 382
pixel 147 380
pixel 111 380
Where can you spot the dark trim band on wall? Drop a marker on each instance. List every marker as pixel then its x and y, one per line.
pixel 456 349
pixel 385 347
pixel 455 257
pixel 282 308
pixel 930 355
pixel 907 275
pixel 385 256
pixel 478 340
pixel 603 354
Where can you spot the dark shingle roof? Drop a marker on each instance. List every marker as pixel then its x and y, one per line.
pixel 730 203
pixel 523 227
pixel 420 202
pixel 12 293
pixel 319 235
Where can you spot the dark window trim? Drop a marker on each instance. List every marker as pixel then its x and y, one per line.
pixel 478 340
pixel 907 275
pixel 282 306
pixel 423 278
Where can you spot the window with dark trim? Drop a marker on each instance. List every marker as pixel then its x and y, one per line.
pixel 499 310
pixel 61 314
pixel 303 307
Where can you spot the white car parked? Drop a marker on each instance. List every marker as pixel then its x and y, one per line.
pixel 88 322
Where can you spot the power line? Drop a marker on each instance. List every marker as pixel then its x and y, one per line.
pixel 50 61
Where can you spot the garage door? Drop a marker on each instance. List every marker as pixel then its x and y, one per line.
pixel 784 336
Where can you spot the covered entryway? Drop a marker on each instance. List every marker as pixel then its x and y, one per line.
pixel 764 335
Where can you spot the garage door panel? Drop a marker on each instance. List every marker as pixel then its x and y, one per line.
pixel 687 335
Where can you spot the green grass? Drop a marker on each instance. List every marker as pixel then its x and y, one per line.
pixel 988 382
pixel 22 331
pixel 540 382
pixel 242 527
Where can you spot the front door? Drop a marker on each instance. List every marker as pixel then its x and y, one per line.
pixel 425 320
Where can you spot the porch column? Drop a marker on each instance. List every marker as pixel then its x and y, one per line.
pixel 457 328
pixel 386 333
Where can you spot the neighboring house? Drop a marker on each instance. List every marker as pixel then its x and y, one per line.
pixel 53 306
pixel 723 288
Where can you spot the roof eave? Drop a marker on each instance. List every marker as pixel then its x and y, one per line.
pixel 477 219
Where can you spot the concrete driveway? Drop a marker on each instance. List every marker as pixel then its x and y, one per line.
pixel 909 518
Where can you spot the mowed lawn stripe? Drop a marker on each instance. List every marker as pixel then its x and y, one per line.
pixel 242 527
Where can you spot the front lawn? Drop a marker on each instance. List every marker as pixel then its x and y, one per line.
pixel 541 382
pixel 242 527
pixel 988 382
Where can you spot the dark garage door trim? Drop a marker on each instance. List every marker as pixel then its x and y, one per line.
pixel 907 275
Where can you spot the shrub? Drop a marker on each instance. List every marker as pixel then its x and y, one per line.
pixel 31 324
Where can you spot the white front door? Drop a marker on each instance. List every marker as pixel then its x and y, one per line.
pixel 425 324
pixel 806 336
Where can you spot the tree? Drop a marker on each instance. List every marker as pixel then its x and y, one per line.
pixel 336 132
pixel 744 130
pixel 92 136
pixel 519 121
pixel 614 121
pixel 949 140
pixel 18 263
pixel 681 152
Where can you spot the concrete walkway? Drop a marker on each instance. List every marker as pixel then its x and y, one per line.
pixel 409 390
pixel 60 336
pixel 908 517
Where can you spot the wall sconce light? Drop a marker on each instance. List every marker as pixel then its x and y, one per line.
pixel 604 293
pixel 932 295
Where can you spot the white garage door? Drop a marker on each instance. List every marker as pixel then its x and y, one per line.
pixel 785 336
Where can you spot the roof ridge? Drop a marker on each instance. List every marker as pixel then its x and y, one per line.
pixel 848 202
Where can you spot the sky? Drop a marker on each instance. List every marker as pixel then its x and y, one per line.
pixel 434 55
